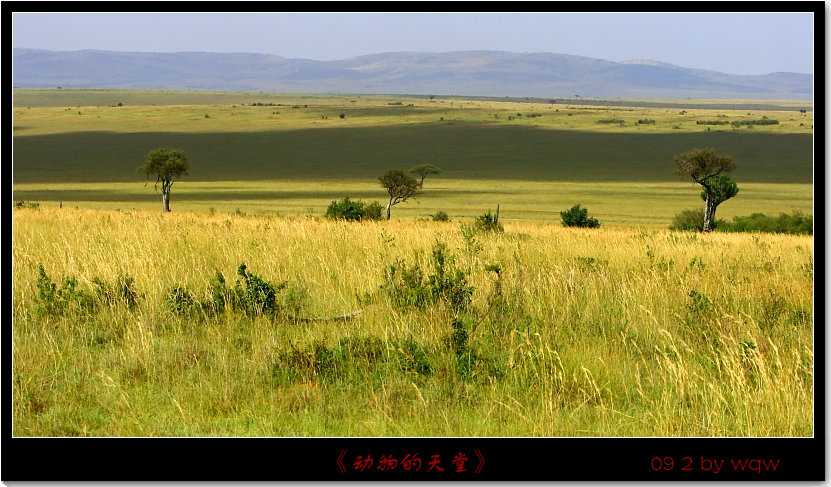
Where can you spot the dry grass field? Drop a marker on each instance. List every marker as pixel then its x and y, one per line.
pixel 245 312
pixel 539 330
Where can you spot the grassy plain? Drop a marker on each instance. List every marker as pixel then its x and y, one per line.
pixel 609 332
pixel 626 330
pixel 293 154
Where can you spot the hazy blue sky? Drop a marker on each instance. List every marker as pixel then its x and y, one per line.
pixel 737 43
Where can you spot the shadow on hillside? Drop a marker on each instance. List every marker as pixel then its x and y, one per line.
pixel 468 151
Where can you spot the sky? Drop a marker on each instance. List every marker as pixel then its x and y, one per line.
pixel 735 43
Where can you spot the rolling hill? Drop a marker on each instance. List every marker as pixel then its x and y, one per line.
pixel 474 73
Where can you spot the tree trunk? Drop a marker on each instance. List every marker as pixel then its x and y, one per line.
pixel 389 210
pixel 166 201
pixel 708 201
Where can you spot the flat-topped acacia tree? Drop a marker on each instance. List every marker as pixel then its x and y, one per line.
pixel 167 165
pixel 423 170
pixel 400 187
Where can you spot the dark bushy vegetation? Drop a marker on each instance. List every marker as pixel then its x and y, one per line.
pixel 26 204
pixel 440 216
pixel 762 121
pixel 577 216
pixel 407 286
pixel 59 301
pixel 712 122
pixel 357 210
pixel 251 295
pixel 692 221
pixel 69 299
pixel 795 224
pixel 489 222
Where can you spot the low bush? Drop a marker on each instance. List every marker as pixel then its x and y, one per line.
pixel 26 204
pixel 796 224
pixel 440 216
pixel 763 121
pixel 60 301
pixel 407 286
pixel 577 216
pixel 489 222
pixel 692 221
pixel 357 210
pixel 257 296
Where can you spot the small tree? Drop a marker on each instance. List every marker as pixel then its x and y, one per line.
pixel 423 170
pixel 702 165
pixel 721 188
pixel 167 165
pixel 400 187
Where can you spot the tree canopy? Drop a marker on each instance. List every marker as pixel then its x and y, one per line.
pixel 706 167
pixel 423 170
pixel 167 165
pixel 400 187
pixel 701 164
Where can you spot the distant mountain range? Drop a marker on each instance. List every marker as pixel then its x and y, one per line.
pixel 474 73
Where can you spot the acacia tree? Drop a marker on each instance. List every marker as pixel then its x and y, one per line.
pixel 167 165
pixel 423 170
pixel 722 188
pixel 400 187
pixel 703 165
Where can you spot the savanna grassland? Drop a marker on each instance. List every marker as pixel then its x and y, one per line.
pixel 266 153
pixel 244 312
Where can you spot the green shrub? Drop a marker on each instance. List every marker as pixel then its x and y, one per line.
pixel 257 296
pixel 692 221
pixel 489 222
pixel 180 301
pixel 407 286
pixel 796 223
pixel 357 210
pixel 577 216
pixel 448 282
pixel 373 211
pixel 762 121
pixel 440 216
pixel 67 299
pixel 414 358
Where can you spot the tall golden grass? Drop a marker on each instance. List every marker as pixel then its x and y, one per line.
pixel 601 332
